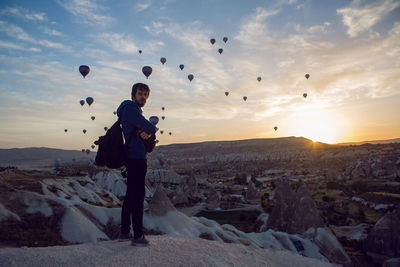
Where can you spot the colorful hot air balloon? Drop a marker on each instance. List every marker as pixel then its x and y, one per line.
pixel 147 70
pixel 84 131
pixel 115 113
pixel 212 41
pixel 105 128
pixel 93 117
pixel 84 70
pixel 87 151
pixel 259 79
pixel 157 141
pixel 226 93
pixel 225 39
pixel 163 60
pixel 305 95
pixel 154 120
pixel 181 66
pixel 82 102
pixel 220 50
pixel 307 76
pixel 89 100
pixel 83 150
pixel 65 130
pixel 92 146
pixel 161 132
pixel 275 128
pixel 140 51
pixel 245 98
pixel 163 117
pixel 163 108
pixel 190 77
pixel 170 133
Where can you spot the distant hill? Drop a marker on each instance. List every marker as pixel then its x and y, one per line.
pixel 388 141
pixel 39 157
pixel 244 146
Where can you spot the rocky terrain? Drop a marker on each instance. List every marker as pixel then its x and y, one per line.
pixel 333 203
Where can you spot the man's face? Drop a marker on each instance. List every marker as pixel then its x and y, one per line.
pixel 141 97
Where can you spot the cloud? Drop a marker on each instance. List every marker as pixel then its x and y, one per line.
pixel 253 31
pixel 52 32
pixel 6 44
pixel 23 13
pixel 142 5
pixel 359 19
pixel 18 33
pixel 87 11
pixel 119 42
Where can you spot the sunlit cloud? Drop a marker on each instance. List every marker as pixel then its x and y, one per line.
pixel 10 45
pixel 52 32
pixel 359 19
pixel 142 5
pixel 87 11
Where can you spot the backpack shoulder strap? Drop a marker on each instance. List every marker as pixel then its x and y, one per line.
pixel 134 129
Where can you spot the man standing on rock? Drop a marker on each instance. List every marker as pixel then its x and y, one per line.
pixel 137 131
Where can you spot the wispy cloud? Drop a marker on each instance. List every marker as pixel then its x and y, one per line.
pixel 18 33
pixel 23 13
pixel 253 31
pixel 52 32
pixel 359 19
pixel 119 42
pixel 87 11
pixel 142 5
pixel 9 45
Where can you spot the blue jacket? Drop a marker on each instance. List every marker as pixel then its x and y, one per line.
pixel 132 119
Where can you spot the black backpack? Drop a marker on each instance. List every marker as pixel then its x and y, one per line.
pixel 112 152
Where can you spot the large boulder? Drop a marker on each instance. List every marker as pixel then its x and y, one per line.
pixel 383 242
pixel 293 212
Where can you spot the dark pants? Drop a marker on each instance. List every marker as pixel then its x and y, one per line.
pixel 134 197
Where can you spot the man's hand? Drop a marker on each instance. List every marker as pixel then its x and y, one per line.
pixel 144 135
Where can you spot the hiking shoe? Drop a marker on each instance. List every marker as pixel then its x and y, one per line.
pixel 141 241
pixel 124 237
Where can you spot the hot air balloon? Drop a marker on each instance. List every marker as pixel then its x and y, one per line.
pixel 163 117
pixel 92 146
pixel 93 117
pixel 275 128
pixel 212 41
pixel 89 100
pixel 83 150
pixel 170 133
pixel 84 131
pixel 161 132
pixel 147 70
pixel 105 128
pixel 181 66
pixel 87 151
pixel 84 70
pixel 163 108
pixel 140 51
pixel 65 130
pixel 226 93
pixel 305 95
pixel 220 50
pixel 163 60
pixel 190 77
pixel 259 79
pixel 115 113
pixel 307 76
pixel 82 102
pixel 157 141
pixel 225 39
pixel 245 98
pixel 154 120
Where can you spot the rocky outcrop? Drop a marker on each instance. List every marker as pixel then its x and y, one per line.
pixel 384 239
pixel 160 203
pixel 213 199
pixel 252 194
pixel 293 212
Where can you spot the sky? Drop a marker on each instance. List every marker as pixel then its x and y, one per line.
pixel 351 49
